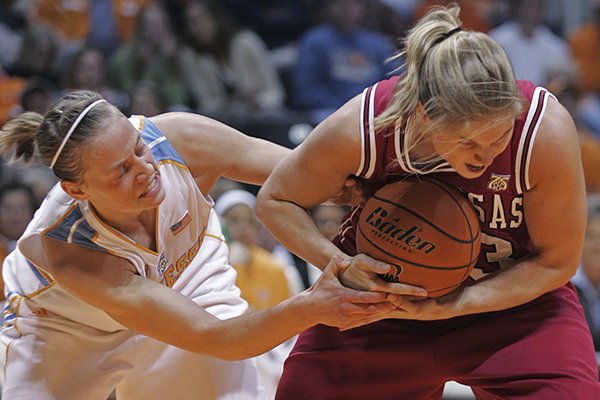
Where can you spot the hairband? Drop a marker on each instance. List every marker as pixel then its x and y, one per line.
pixel 72 129
pixel 446 35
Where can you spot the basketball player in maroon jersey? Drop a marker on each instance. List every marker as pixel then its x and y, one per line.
pixel 454 112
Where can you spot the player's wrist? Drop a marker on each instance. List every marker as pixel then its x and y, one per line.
pixel 299 311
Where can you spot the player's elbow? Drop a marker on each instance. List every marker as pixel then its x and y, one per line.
pixel 265 203
pixel 562 266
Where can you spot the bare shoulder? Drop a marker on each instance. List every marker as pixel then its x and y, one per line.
pixel 212 149
pixel 557 123
pixel 200 140
pixel 182 128
pixel 338 134
pixel 344 123
pixel 556 151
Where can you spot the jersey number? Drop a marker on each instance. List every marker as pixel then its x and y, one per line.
pixel 497 253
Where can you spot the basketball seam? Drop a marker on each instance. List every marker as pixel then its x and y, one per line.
pixel 474 262
pixel 441 186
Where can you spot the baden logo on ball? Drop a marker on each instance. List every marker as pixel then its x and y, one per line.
pixel 391 231
pixel 426 229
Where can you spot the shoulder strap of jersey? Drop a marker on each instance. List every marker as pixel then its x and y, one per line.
pixel 537 107
pixel 368 150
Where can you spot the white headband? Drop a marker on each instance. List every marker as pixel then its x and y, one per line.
pixel 72 129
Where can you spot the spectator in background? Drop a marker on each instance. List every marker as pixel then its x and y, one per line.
pixel 567 90
pixel 261 278
pixel 38 94
pixel 587 278
pixel 12 26
pixel 534 50
pixel 223 185
pixel 277 22
pixel 563 16
pixel 327 218
pixel 18 94
pixel 17 205
pixel 280 24
pixel 338 59
pixel 472 12
pixel 105 24
pixel 590 158
pixel 227 68
pixel 391 18
pixel 151 55
pixel 11 88
pixel 146 100
pixel 584 43
pixel 41 48
pixel 87 69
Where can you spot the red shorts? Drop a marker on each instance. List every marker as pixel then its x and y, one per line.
pixel 540 350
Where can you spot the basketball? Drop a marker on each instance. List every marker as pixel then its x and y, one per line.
pixel 426 229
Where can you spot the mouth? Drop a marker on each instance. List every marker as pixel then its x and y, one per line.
pixel 476 167
pixel 152 187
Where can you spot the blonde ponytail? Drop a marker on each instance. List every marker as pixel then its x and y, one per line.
pixel 457 76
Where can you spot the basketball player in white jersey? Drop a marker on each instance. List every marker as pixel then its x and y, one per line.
pixel 122 279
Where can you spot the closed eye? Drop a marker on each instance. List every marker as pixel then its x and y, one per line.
pixel 141 149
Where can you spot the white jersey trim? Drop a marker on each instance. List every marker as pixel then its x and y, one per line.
pixel 403 157
pixel 372 156
pixel 156 141
pixel 525 148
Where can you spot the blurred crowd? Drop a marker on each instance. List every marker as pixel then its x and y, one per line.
pixel 273 69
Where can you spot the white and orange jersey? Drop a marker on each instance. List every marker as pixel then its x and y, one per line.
pixel 189 257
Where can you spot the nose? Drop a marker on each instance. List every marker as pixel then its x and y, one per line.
pixel 145 169
pixel 485 156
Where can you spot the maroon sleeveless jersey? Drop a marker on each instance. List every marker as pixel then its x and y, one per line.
pixel 497 195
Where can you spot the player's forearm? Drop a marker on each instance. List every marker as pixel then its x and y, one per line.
pixel 257 332
pixel 524 282
pixel 295 230
pixel 180 322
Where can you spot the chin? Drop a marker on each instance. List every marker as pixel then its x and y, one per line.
pixel 160 197
pixel 469 174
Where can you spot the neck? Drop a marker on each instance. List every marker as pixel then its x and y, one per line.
pixel 140 227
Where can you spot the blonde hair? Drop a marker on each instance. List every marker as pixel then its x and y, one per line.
pixel 458 76
pixel 31 135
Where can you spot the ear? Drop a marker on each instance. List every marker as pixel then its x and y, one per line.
pixel 75 190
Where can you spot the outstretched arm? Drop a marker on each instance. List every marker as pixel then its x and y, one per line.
pixel 111 284
pixel 212 149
